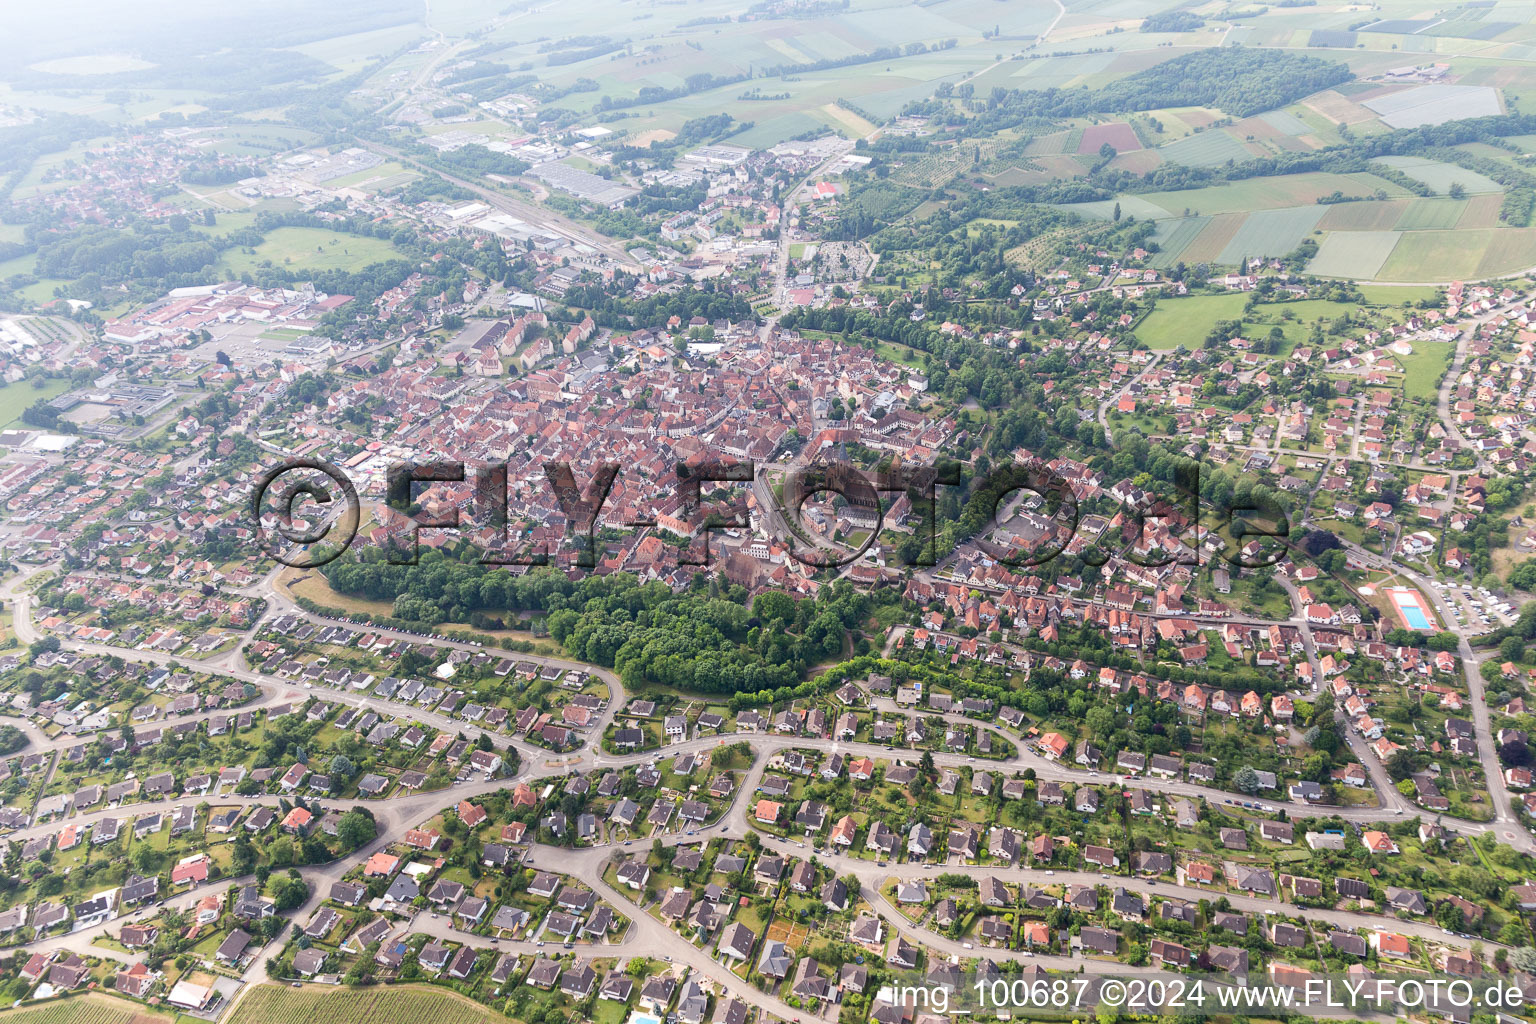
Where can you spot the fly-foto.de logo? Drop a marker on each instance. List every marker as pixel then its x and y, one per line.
pixel 307 512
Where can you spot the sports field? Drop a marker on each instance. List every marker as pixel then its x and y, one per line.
pixel 1411 609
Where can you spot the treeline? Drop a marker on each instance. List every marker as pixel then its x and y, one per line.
pixel 478 69
pixel 492 86
pixel 1172 21
pixel 473 159
pixel 872 56
pixel 214 172
pixel 623 313
pixel 577 56
pixel 1516 208
pixel 1239 80
pixel 695 132
pixel 146 254
pixel 704 81
pixel 23 144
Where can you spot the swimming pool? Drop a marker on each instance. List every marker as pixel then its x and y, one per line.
pixel 1410 608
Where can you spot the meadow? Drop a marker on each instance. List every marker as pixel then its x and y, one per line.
pixel 1423 369
pixel 15 398
pixel 311 249
pixel 1187 321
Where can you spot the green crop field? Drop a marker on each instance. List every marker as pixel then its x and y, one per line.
pixel 403 1004
pixel 1434 255
pixel 1430 214
pixel 1207 149
pixel 1280 192
pixel 1389 295
pixel 1506 251
pixel 1130 206
pixel 310 249
pixel 1460 255
pixel 1441 176
pixel 1271 232
pixel 1353 254
pixel 1187 321
pixel 1173 236
pixel 1371 215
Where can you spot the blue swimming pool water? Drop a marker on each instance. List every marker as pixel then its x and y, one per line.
pixel 1414 616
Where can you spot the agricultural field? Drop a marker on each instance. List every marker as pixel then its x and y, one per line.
pixel 1271 233
pixel 1210 242
pixel 89 1008
pixel 1119 135
pixel 1173 236
pixel 1441 176
pixel 1130 206
pixel 1274 193
pixel 1207 149
pixel 1431 214
pixel 1460 254
pixel 1353 254
pixel 1370 215
pixel 402 1004
pixel 1434 104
